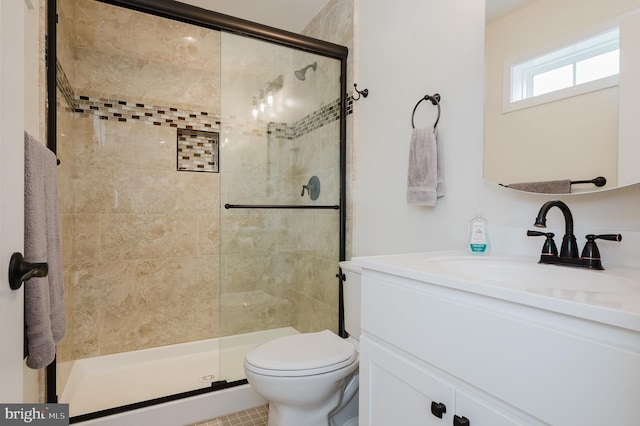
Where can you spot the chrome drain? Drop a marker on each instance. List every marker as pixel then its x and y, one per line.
pixel 208 378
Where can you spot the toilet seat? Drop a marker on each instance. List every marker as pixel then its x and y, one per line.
pixel 304 354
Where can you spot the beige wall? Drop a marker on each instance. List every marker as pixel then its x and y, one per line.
pixel 629 125
pixel 573 138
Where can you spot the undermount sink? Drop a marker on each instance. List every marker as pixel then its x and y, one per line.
pixel 529 275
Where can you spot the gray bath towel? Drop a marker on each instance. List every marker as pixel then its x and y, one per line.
pixel 425 177
pixel 43 297
pixel 545 187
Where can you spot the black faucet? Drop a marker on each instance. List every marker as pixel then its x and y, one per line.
pixel 569 247
pixel 590 257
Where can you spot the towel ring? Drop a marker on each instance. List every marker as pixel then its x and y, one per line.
pixel 435 100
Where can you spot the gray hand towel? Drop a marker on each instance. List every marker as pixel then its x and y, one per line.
pixel 545 187
pixel 43 297
pixel 425 177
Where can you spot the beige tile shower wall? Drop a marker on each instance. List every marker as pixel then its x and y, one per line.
pixel 256 244
pixel 301 248
pixel 123 54
pixel 140 240
pixel 279 266
pixel 105 211
pixel 65 347
pixel 315 249
pixel 335 23
pixel 66 38
pixel 315 290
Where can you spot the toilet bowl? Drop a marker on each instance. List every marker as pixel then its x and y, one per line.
pixel 311 379
pixel 302 376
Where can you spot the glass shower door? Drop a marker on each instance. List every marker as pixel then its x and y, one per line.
pixel 139 218
pixel 280 191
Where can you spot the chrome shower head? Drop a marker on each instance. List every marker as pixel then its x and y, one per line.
pixel 301 72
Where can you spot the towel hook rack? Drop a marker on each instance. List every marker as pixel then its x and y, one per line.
pixel 435 100
pixel 361 93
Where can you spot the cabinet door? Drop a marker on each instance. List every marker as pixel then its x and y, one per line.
pixel 481 413
pixel 396 391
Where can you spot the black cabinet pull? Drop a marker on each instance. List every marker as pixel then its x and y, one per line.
pixel 460 421
pixel 438 409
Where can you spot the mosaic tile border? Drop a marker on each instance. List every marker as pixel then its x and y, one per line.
pixel 317 119
pixel 309 123
pixel 63 84
pixel 128 111
pixel 106 109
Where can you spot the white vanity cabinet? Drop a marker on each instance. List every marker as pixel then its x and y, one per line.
pixel 399 390
pixel 490 361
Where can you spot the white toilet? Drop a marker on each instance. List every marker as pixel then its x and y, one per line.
pixel 311 379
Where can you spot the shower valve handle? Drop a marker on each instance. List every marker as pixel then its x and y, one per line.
pixel 312 187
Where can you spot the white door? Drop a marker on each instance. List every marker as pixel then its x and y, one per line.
pixel 11 194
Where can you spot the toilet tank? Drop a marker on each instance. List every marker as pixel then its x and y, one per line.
pixel 351 291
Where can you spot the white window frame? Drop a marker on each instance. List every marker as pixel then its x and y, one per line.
pixel 520 81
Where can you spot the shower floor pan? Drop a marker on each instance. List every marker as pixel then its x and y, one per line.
pixel 109 381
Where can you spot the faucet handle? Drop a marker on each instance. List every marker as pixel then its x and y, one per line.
pixel 590 252
pixel 610 237
pixel 549 248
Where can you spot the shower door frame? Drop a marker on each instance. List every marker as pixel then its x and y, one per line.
pixel 216 21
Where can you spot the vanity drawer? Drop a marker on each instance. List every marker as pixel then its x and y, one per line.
pixel 398 391
pixel 552 375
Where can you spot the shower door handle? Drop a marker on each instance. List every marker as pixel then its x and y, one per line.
pixel 21 270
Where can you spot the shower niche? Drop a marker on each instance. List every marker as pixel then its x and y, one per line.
pixel 198 151
pixel 161 279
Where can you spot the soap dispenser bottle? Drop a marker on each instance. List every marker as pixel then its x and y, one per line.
pixel 479 234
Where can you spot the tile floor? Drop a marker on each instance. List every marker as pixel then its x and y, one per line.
pixel 251 417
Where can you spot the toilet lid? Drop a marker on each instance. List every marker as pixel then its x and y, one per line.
pixel 301 355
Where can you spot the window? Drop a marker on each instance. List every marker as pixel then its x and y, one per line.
pixel 595 59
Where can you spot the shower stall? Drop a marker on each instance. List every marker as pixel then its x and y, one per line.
pixel 202 200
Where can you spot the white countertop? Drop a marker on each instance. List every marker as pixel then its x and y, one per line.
pixel 611 296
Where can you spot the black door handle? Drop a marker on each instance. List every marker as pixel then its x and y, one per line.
pixel 460 421
pixel 21 271
pixel 438 409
